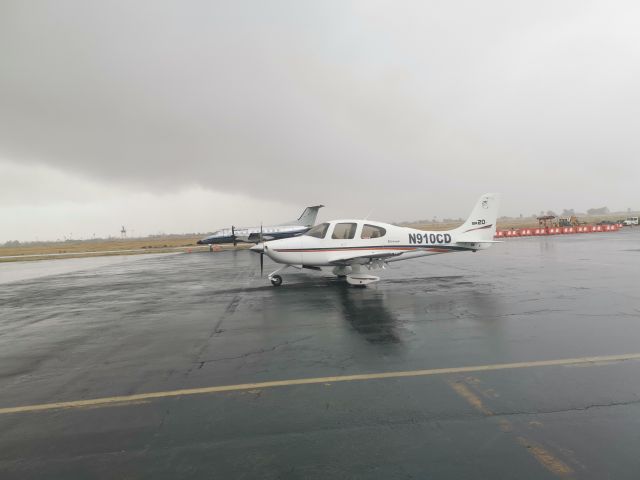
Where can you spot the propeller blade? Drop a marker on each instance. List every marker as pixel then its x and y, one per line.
pixel 262 252
pixel 233 236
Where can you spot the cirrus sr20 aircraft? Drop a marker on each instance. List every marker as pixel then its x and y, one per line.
pixel 350 245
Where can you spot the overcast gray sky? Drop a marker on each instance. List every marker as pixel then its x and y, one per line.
pixel 191 115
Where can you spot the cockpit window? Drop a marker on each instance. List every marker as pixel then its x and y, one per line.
pixel 371 231
pixel 319 231
pixel 344 231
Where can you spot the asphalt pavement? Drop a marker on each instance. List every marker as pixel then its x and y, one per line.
pixel 516 362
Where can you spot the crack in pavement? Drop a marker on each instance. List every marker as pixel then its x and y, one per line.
pixel 566 410
pixel 254 352
pixel 231 308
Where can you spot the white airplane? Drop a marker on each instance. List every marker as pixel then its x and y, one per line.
pixel 257 234
pixel 350 245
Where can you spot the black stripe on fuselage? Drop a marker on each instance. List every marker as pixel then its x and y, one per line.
pixel 478 228
pixel 408 248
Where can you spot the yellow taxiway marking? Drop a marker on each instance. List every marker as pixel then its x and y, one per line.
pixel 471 398
pixel 105 401
pixel 546 458
pixel 543 455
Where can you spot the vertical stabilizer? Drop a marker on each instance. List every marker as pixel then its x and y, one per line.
pixel 481 225
pixel 308 217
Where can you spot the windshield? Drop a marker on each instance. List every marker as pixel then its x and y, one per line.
pixel 319 231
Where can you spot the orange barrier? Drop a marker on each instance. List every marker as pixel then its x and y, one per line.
pixel 528 232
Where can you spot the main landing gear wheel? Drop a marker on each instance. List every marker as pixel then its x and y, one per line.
pixel 276 280
pixel 360 279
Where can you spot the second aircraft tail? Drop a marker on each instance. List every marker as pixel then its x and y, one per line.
pixel 308 217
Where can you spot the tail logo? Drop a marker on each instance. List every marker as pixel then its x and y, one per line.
pixel 485 203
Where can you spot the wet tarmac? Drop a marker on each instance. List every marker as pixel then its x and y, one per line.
pixel 17 271
pixel 180 326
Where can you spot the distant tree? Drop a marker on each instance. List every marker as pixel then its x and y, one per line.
pixel 568 212
pixel 12 243
pixel 598 211
pixel 551 213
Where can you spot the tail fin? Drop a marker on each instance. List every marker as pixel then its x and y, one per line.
pixel 481 225
pixel 308 217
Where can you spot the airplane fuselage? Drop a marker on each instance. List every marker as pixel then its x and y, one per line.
pixel 391 242
pixel 252 235
pixel 265 233
pixel 348 245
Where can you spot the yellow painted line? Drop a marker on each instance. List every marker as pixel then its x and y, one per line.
pixel 546 458
pixel 471 398
pixel 311 381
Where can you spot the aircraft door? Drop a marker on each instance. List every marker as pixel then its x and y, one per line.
pixel 344 232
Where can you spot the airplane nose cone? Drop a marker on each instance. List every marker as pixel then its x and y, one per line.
pixel 200 242
pixel 258 248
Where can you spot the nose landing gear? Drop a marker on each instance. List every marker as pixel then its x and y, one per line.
pixel 274 278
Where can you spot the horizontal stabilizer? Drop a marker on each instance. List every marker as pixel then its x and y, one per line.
pixel 478 244
pixel 468 242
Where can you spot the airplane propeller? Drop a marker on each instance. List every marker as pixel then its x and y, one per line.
pixel 233 236
pixel 259 248
pixel 261 253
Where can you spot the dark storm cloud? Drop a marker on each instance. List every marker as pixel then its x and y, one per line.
pixel 370 103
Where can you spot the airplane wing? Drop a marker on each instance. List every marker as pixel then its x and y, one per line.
pixel 255 238
pixel 349 260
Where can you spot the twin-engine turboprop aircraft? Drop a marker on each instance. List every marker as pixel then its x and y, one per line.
pixel 259 234
pixel 350 245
